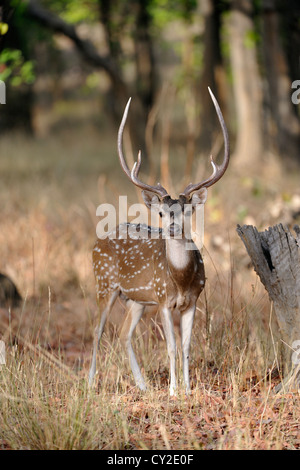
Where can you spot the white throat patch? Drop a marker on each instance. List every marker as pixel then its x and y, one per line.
pixel 178 256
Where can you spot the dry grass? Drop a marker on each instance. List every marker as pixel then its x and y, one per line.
pixel 49 192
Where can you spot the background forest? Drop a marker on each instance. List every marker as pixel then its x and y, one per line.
pixel 69 68
pixel 246 51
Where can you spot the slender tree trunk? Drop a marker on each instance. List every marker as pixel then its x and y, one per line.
pixel 146 79
pixel 285 126
pixel 246 85
pixel 213 74
pixel 144 58
pixel 289 19
pixel 118 93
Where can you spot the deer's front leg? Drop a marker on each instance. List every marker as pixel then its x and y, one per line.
pixel 168 327
pixel 186 326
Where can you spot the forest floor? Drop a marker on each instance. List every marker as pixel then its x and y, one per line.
pixel 49 190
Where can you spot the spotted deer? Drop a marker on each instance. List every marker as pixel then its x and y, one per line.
pixel 154 267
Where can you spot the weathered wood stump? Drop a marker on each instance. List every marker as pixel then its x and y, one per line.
pixel 275 255
pixel 9 294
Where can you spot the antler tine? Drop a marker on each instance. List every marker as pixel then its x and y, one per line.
pixel 218 170
pixel 133 174
pixel 120 140
pixel 159 189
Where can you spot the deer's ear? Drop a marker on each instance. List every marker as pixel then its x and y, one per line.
pixel 151 200
pixel 199 197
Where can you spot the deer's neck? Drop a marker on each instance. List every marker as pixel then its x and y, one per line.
pixel 181 261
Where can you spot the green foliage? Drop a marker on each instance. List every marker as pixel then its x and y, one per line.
pixel 164 11
pixel 242 213
pixel 252 38
pixel 74 11
pixel 15 69
pixel 3 28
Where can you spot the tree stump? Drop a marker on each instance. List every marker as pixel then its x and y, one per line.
pixel 275 255
pixel 9 294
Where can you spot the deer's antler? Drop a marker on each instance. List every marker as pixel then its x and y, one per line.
pixel 133 174
pixel 218 170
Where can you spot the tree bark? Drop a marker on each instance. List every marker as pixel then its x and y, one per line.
pixel 146 78
pixel 9 294
pixel 285 126
pixel 246 85
pixel 275 256
pixel 213 74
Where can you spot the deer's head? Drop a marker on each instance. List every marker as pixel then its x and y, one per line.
pixel 175 213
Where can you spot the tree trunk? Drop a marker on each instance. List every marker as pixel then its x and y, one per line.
pixel 111 62
pixel 275 255
pixel 289 18
pixel 9 294
pixel 246 85
pixel 213 75
pixel 146 79
pixel 285 126
pixel 118 93
pixel 144 58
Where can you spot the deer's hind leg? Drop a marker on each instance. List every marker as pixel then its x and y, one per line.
pixel 134 313
pixel 107 306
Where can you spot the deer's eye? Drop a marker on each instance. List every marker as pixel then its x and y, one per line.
pixel 160 214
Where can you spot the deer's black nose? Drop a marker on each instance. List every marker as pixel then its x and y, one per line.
pixel 175 229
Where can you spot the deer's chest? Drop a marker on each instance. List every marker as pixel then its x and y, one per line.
pixel 179 285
